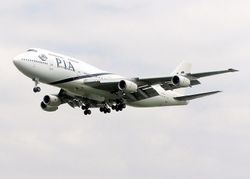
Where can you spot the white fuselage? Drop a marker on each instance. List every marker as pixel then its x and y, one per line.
pixel 63 71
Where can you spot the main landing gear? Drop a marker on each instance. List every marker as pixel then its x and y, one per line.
pixel 36 89
pixel 86 110
pixel 118 107
pixel 105 109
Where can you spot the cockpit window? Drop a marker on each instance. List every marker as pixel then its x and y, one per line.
pixel 31 50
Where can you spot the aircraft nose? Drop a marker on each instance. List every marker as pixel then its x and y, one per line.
pixel 23 65
pixel 16 61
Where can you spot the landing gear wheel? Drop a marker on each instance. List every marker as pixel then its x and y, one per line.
pixel 123 105
pixel 87 112
pixel 36 89
pixel 105 109
pixel 83 107
pixel 119 107
pixel 113 107
pixel 108 110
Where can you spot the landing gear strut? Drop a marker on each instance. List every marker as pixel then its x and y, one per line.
pixel 36 89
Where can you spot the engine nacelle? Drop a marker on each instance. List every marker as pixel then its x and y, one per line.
pixel 181 81
pixel 52 100
pixel 127 86
pixel 48 108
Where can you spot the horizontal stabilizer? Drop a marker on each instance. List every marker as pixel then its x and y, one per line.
pixel 194 96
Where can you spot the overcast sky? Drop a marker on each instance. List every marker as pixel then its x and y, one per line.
pixel 208 139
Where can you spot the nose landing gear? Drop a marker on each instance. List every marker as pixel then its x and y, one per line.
pixel 36 89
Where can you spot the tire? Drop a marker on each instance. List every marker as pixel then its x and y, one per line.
pixel 108 110
pixel 38 89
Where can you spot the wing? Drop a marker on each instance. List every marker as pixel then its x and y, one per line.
pixel 205 74
pixel 166 82
pixel 143 91
pixel 145 85
pixel 192 76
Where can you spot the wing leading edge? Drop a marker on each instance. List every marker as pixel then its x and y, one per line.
pixel 211 73
pixel 192 76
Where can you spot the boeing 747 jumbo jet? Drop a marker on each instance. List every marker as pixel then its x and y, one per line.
pixel 85 86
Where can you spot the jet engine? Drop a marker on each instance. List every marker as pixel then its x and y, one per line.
pixel 127 86
pixel 52 100
pixel 50 103
pixel 181 81
pixel 47 108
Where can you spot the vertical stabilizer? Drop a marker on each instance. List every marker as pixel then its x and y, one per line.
pixel 182 69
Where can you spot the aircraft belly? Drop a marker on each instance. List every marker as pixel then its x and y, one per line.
pixel 79 89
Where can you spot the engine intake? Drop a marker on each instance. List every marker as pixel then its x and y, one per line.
pixel 127 86
pixel 52 100
pixel 181 81
pixel 48 108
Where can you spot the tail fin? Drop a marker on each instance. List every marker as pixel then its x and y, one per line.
pixel 182 69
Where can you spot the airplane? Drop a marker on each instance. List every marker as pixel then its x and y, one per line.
pixel 85 86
